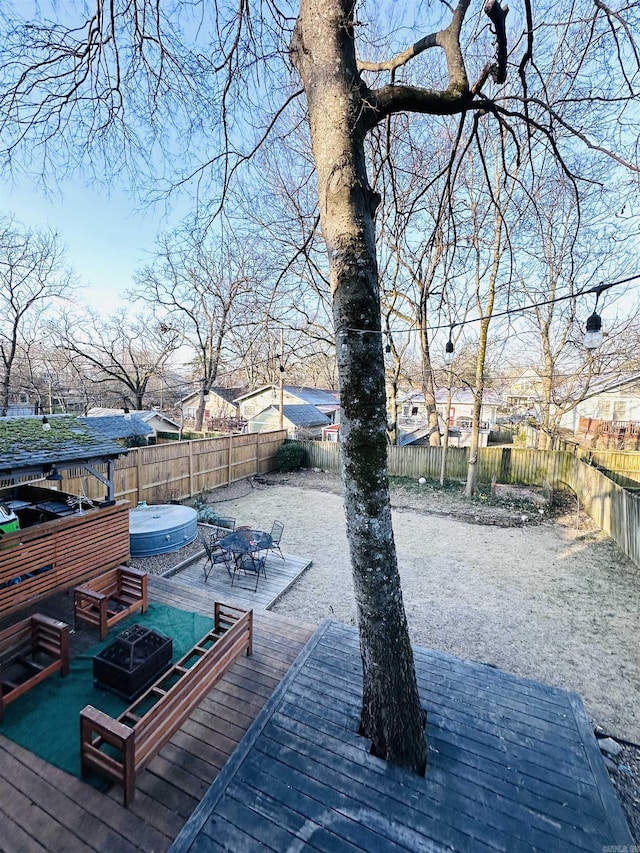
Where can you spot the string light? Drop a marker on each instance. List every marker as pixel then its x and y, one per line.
pixel 597 289
pixel 46 426
pixel 449 354
pixel 593 335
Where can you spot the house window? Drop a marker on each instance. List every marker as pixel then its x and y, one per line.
pixel 603 412
pixel 414 411
pixel 619 410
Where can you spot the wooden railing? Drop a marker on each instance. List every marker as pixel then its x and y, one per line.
pixel 61 553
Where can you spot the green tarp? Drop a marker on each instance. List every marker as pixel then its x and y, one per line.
pixel 46 720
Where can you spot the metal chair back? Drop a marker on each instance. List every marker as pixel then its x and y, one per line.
pixel 277 529
pixel 215 555
pixel 249 563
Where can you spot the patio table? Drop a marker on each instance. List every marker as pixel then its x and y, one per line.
pixel 246 542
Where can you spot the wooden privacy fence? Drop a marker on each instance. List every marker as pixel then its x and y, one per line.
pixel 509 464
pixel 622 465
pixel 181 469
pixel 613 508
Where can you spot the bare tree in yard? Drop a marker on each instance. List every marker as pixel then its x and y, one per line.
pixel 412 264
pixel 33 278
pixel 121 353
pixel 570 255
pixel 203 288
pixel 43 86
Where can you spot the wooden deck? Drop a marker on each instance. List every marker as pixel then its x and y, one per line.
pixel 281 574
pixel 513 766
pixel 44 808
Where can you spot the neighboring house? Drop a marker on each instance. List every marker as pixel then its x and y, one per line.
pixel 611 400
pixel 302 421
pixel 155 420
pixel 522 392
pixel 119 426
pixel 412 416
pixel 331 433
pixel 220 407
pixel 254 402
pixel 159 422
pixel 20 410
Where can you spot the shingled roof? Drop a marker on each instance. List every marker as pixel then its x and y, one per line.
pixel 304 415
pixel 25 447
pixel 117 426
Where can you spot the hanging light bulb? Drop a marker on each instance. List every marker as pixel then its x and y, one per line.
pixel 449 354
pixel 127 413
pixel 593 336
pixel 46 426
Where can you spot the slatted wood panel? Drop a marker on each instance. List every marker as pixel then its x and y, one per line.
pixel 43 808
pixel 61 553
pixel 513 765
pixel 281 574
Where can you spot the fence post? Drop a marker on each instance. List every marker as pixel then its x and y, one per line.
pixel 139 475
pixel 229 452
pixel 191 487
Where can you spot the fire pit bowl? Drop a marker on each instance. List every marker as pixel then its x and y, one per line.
pixel 132 662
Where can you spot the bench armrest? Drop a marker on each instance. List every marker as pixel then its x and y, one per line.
pixel 48 622
pixel 52 636
pixel 97 722
pixel 87 592
pixel 98 728
pixel 135 573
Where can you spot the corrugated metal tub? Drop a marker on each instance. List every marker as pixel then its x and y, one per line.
pixel 162 528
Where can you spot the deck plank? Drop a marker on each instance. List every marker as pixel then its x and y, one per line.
pixel 491 785
pixel 44 808
pixel 281 574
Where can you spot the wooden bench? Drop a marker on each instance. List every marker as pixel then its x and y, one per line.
pixel 110 597
pixel 118 749
pixel 30 651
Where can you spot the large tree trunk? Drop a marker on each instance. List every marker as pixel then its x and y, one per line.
pixel 323 52
pixel 199 420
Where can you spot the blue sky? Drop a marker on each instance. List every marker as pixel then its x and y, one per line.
pixel 107 234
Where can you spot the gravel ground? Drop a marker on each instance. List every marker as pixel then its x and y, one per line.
pixel 504 579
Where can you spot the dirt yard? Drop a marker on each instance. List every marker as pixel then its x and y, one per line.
pixel 536 591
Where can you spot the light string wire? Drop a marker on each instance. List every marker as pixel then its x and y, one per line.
pixel 597 289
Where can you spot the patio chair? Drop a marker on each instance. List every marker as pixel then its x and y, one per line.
pixel 224 525
pixel 277 529
pixel 216 555
pixel 249 563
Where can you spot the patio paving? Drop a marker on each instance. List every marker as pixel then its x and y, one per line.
pixel 281 574
pixel 513 766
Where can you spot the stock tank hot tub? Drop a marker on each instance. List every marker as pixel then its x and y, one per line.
pixel 160 529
